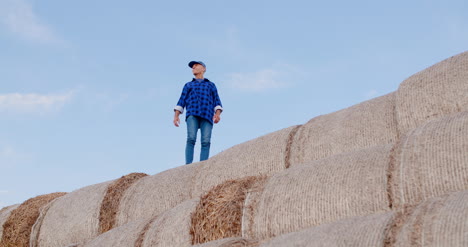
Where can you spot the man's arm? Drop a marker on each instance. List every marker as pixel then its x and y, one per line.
pixel 179 108
pixel 219 106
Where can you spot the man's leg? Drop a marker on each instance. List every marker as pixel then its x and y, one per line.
pixel 192 128
pixel 205 129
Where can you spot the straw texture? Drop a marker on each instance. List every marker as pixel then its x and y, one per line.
pixel 152 195
pixel 17 229
pixel 440 221
pixel 111 202
pixel 341 186
pixel 251 207
pixel 367 124
pixel 357 231
pixel 220 211
pixel 431 160
pixel 36 228
pixel 439 90
pixel 4 215
pixel 172 228
pixel 123 236
pixel 73 218
pixel 230 242
pixel 262 156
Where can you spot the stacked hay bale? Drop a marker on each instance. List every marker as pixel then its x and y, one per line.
pixel 81 215
pixel 368 124
pixel 323 191
pixel 431 160
pixel 16 230
pixel 152 195
pixel 437 91
pixel 439 221
pixel 72 219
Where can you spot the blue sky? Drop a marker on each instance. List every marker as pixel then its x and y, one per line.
pixel 87 88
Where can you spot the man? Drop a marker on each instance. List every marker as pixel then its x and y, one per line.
pixel 203 108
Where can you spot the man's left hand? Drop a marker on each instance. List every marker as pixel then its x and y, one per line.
pixel 216 118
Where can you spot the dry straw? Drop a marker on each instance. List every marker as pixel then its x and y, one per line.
pixel 264 155
pixel 151 195
pixel 431 161
pixel 367 124
pixel 323 191
pixel 141 236
pixel 4 215
pixel 111 202
pixel 437 91
pixel 219 213
pixel 394 227
pixel 17 229
pixel 73 218
pixel 36 228
pixel 357 231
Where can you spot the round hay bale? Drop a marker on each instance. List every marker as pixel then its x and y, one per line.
pixel 111 202
pixel 367 124
pixel 73 218
pixel 439 221
pixel 17 229
pixel 171 228
pixel 437 91
pixel 357 231
pixel 264 155
pixel 431 160
pixel 219 213
pixel 323 191
pixel 152 195
pixel 230 242
pixel 122 236
pixel 4 215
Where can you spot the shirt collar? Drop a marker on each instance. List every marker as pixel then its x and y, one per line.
pixel 204 79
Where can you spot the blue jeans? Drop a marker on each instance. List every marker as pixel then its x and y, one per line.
pixel 193 124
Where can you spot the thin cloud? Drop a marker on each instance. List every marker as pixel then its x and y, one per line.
pixel 18 17
pixel 9 157
pixel 6 152
pixel 34 103
pixel 257 81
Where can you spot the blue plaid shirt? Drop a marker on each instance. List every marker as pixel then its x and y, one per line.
pixel 200 98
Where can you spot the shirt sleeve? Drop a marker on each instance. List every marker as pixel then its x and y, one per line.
pixel 217 100
pixel 182 100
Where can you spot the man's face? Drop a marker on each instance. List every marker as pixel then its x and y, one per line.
pixel 197 69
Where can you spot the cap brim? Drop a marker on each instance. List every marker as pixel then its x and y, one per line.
pixel 193 63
